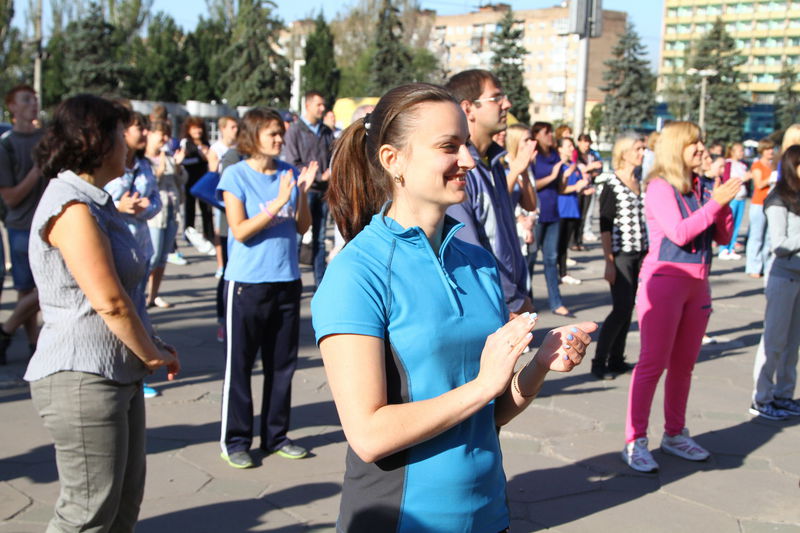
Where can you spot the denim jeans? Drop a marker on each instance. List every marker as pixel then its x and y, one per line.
pixel 163 239
pixel 547 241
pixel 319 217
pixel 757 248
pixel 737 207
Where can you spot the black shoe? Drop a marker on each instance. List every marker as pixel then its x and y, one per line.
pixel 620 367
pixel 5 341
pixel 599 371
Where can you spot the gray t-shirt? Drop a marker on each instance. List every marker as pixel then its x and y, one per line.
pixel 74 337
pixel 13 170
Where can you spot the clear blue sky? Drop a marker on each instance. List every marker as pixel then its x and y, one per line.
pixel 645 14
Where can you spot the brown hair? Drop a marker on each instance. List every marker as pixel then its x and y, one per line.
pixel 468 85
pixel 359 185
pixel 80 136
pixel 729 150
pixel 191 122
pixel 22 87
pixel 765 144
pixel 788 186
pixel 253 122
pixel 535 129
pixel 561 130
pixel 161 126
pixel 225 120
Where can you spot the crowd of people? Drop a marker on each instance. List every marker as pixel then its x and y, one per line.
pixel 421 310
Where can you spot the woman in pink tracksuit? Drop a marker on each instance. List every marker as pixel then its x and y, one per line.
pixel 684 214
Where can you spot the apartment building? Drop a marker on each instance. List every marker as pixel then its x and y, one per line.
pixel 463 42
pixel 767 34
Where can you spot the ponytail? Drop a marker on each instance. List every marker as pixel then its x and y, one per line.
pixel 353 195
pixel 359 185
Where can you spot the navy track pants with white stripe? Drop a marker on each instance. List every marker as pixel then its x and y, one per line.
pixel 263 316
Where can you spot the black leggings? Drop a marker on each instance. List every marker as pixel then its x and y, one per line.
pixel 614 333
pixel 566 238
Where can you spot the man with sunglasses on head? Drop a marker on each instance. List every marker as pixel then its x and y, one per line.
pixel 488 212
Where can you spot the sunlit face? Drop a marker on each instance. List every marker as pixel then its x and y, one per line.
pixel 155 140
pixel 196 133
pixel 25 106
pixel 315 108
pixel 270 139
pixel 329 119
pixel 136 136
pixel 566 149
pixel 229 132
pixel 715 168
pixel 544 138
pixel 435 161
pixel 737 152
pixel 491 116
pixel 583 146
pixel 693 155
pixel 768 154
pixel 635 155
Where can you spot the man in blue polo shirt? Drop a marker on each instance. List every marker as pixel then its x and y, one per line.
pixel 488 214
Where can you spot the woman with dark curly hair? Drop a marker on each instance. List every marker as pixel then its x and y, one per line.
pixel 97 343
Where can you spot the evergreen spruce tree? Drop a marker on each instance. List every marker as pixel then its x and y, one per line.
pixel 320 72
pixel 161 63
pixel 507 65
pixel 257 73
pixel 595 122
pixel 724 110
pixel 391 64
pixel 787 103
pixel 204 50
pixel 90 57
pixel 629 92
pixel 54 69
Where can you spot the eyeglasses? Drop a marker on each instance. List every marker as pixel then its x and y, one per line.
pixel 496 99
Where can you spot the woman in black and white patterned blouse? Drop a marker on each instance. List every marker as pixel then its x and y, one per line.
pixel 623 233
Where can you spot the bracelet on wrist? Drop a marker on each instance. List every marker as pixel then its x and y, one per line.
pixel 515 383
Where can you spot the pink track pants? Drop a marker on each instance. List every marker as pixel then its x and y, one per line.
pixel 673 313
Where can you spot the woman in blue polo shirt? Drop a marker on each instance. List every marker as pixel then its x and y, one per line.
pixel 411 323
pixel 569 207
pixel 266 209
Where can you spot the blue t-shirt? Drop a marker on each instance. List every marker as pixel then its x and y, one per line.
pixel 568 204
pixel 434 314
pixel 548 197
pixel 270 255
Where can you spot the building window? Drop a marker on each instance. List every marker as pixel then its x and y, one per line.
pixel 744 7
pixel 672 12
pixel 672 29
pixel 742 43
pixel 744 25
pixel 684 11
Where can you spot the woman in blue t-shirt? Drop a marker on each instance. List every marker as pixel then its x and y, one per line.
pixel 265 203
pixel 549 176
pixel 569 207
pixel 413 327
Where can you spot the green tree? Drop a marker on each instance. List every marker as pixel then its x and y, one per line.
pixel 320 72
pixel 258 74
pixel 355 76
pixel 90 62
pixel 787 103
pixel 629 96
pixel 54 71
pixel 128 16
pixel 724 110
pixel 596 120
pixel 206 60
pixel 14 65
pixel 391 62
pixel 159 60
pixel 507 64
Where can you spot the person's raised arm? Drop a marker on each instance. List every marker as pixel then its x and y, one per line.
pixel 13 196
pixel 354 365
pixel 304 181
pixel 244 228
pixel 554 175
pixel 87 254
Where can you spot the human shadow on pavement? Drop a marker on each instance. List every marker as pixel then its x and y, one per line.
pixel 37 465
pixel 557 496
pixel 243 515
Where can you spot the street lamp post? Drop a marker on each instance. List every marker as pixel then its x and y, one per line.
pixel 704 75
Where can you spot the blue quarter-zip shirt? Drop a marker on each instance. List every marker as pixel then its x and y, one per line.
pixel 433 314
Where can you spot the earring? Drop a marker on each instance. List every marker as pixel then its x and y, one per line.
pixel 399 179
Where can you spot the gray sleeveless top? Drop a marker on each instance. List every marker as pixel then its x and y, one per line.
pixel 74 337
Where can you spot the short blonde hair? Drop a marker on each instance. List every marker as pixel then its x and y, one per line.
pixel 669 164
pixel 514 135
pixel 623 143
pixel 791 137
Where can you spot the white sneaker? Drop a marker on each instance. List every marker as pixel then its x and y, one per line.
pixel 570 262
pixel 589 237
pixel 203 245
pixel 176 258
pixel 684 447
pixel 724 255
pixel 733 256
pixel 637 456
pixel 569 280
